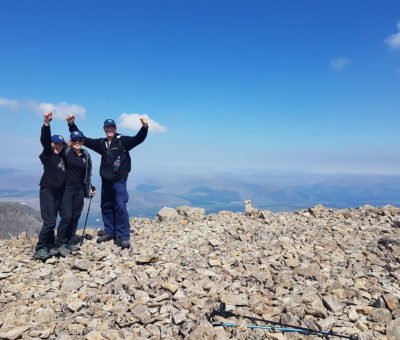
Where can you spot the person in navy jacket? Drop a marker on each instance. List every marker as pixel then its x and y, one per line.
pixel 114 170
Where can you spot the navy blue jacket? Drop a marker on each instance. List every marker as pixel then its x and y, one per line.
pixel 119 147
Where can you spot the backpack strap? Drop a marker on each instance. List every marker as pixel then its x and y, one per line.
pixel 120 147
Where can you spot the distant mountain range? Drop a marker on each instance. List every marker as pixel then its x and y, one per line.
pixel 273 191
pixel 16 218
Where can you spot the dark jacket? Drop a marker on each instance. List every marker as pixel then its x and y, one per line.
pixel 119 147
pixel 53 165
pixel 88 169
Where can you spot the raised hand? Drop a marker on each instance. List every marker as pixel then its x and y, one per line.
pixel 145 122
pixel 70 119
pixel 48 116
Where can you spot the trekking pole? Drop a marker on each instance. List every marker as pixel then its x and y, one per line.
pixel 270 328
pixel 221 311
pixel 285 329
pixel 87 215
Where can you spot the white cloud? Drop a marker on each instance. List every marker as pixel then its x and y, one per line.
pixel 132 121
pixel 340 63
pixel 8 103
pixel 394 40
pixel 60 110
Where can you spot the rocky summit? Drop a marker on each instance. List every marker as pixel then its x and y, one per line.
pixel 320 268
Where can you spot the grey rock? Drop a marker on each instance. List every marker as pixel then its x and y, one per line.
pixel 94 336
pixel 82 265
pixel 393 330
pixel 169 286
pixel 43 315
pixel 71 283
pixel 179 317
pixel 366 336
pixel 380 315
pixel 206 272
pixel 167 214
pixel 327 323
pixel 14 333
pixel 234 299
pixel 162 297
pixel 191 212
pixel 74 303
pixel 333 304
pixel 353 316
pixel 44 331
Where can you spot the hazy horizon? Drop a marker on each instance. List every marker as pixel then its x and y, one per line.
pixel 226 191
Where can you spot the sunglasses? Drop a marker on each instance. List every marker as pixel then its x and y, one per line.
pixel 75 140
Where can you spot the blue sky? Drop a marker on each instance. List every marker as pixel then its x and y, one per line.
pixel 229 86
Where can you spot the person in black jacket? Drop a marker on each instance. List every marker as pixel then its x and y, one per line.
pixel 51 186
pixel 77 186
pixel 114 170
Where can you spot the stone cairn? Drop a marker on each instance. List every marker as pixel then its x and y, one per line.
pixel 319 268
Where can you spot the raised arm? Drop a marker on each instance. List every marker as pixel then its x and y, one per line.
pixel 93 144
pixel 131 142
pixel 45 136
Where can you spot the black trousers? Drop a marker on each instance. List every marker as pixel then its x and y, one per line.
pixel 50 200
pixel 70 211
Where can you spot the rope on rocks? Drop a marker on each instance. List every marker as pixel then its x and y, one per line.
pixel 221 311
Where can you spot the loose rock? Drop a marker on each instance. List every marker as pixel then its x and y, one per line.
pixel 320 268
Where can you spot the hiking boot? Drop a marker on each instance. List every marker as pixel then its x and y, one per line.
pixel 41 254
pixel 105 238
pixel 63 250
pixel 73 247
pixel 53 252
pixel 124 244
pixel 76 239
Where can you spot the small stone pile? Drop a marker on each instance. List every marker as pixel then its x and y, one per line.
pixel 319 268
